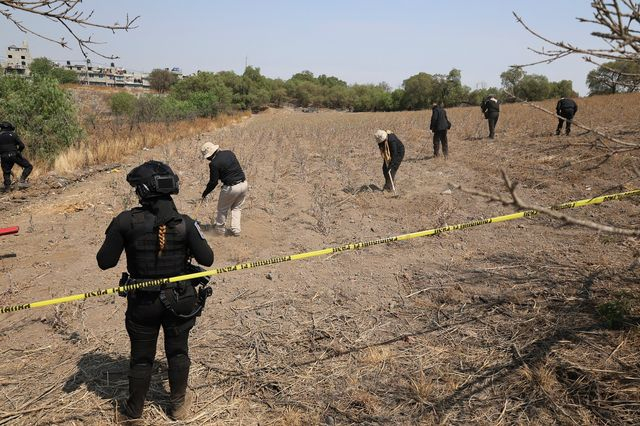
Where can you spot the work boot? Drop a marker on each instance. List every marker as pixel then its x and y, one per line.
pixel 219 229
pixel 139 381
pixel 178 380
pixel 122 417
pixel 23 184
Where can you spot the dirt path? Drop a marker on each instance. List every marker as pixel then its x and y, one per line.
pixel 495 323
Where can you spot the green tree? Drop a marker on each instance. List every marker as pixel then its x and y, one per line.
pixel 614 77
pixel 162 80
pixel 123 104
pixel 562 89
pixel 533 87
pixel 419 91
pixel 43 113
pixel 511 78
pixel 45 67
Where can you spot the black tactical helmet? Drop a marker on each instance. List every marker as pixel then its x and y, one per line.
pixel 153 179
pixel 5 125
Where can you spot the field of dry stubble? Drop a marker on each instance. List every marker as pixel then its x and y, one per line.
pixel 497 324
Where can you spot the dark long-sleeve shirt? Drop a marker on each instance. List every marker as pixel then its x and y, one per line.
pixel 396 149
pixel 439 120
pixel 491 108
pixel 566 105
pixel 224 166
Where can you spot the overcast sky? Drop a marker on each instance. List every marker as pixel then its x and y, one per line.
pixel 358 41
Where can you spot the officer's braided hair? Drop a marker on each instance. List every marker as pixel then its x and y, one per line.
pixel 162 238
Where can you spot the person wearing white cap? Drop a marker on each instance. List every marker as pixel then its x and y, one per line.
pixel 392 151
pixel 224 167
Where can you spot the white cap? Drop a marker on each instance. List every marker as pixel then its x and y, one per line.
pixel 208 149
pixel 380 136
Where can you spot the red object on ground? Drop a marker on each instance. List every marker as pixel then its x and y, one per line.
pixel 9 231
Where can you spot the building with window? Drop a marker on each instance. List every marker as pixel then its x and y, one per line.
pixel 100 75
pixel 18 60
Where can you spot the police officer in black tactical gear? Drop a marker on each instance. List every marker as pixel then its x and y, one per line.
pixel 565 108
pixel 11 148
pixel 159 243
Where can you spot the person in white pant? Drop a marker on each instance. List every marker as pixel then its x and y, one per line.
pixel 224 167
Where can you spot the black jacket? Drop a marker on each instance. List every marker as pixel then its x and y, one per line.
pixel 10 142
pixel 223 166
pixel 490 107
pixel 396 149
pixel 127 232
pixel 566 106
pixel 439 120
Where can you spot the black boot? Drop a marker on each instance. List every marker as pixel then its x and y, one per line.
pixel 139 381
pixel 178 381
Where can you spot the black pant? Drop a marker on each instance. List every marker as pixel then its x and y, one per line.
pixel 145 315
pixel 392 169
pixel 492 126
pixel 440 137
pixel 8 160
pixel 566 118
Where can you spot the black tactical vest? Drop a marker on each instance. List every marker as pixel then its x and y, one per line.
pixel 144 260
pixel 8 142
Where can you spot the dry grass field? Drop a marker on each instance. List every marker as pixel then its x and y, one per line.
pixel 497 324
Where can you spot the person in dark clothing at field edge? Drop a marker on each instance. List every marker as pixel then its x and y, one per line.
pixel 566 108
pixel 491 109
pixel 392 151
pixel 224 166
pixel 11 148
pixel 158 242
pixel 439 126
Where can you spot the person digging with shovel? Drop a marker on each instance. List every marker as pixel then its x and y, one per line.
pixel 392 151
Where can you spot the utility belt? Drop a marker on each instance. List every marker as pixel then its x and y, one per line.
pixel 173 295
pixel 9 154
pixel 235 182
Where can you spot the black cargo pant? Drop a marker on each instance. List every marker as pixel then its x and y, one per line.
pixel 567 117
pixel 392 169
pixel 146 313
pixel 8 160
pixel 492 126
pixel 440 137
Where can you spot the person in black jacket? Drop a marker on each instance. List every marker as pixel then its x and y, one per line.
pixel 159 243
pixel 439 126
pixel 491 109
pixel 224 166
pixel 392 151
pixel 566 108
pixel 11 148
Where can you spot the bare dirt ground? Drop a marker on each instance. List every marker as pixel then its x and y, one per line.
pixel 495 324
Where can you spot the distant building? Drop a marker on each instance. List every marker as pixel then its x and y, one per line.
pixel 107 75
pixel 18 60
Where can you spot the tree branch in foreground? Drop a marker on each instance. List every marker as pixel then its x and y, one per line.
pixel 67 14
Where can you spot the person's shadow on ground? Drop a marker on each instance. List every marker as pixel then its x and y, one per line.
pixel 107 377
pixel 364 188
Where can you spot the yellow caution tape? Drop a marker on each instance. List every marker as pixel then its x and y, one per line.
pixel 300 256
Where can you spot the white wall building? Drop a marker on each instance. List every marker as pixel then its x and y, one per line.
pixel 18 60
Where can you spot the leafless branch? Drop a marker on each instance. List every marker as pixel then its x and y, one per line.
pixel 620 23
pixel 518 202
pixel 66 13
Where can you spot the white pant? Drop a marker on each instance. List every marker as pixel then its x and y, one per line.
pixel 231 197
